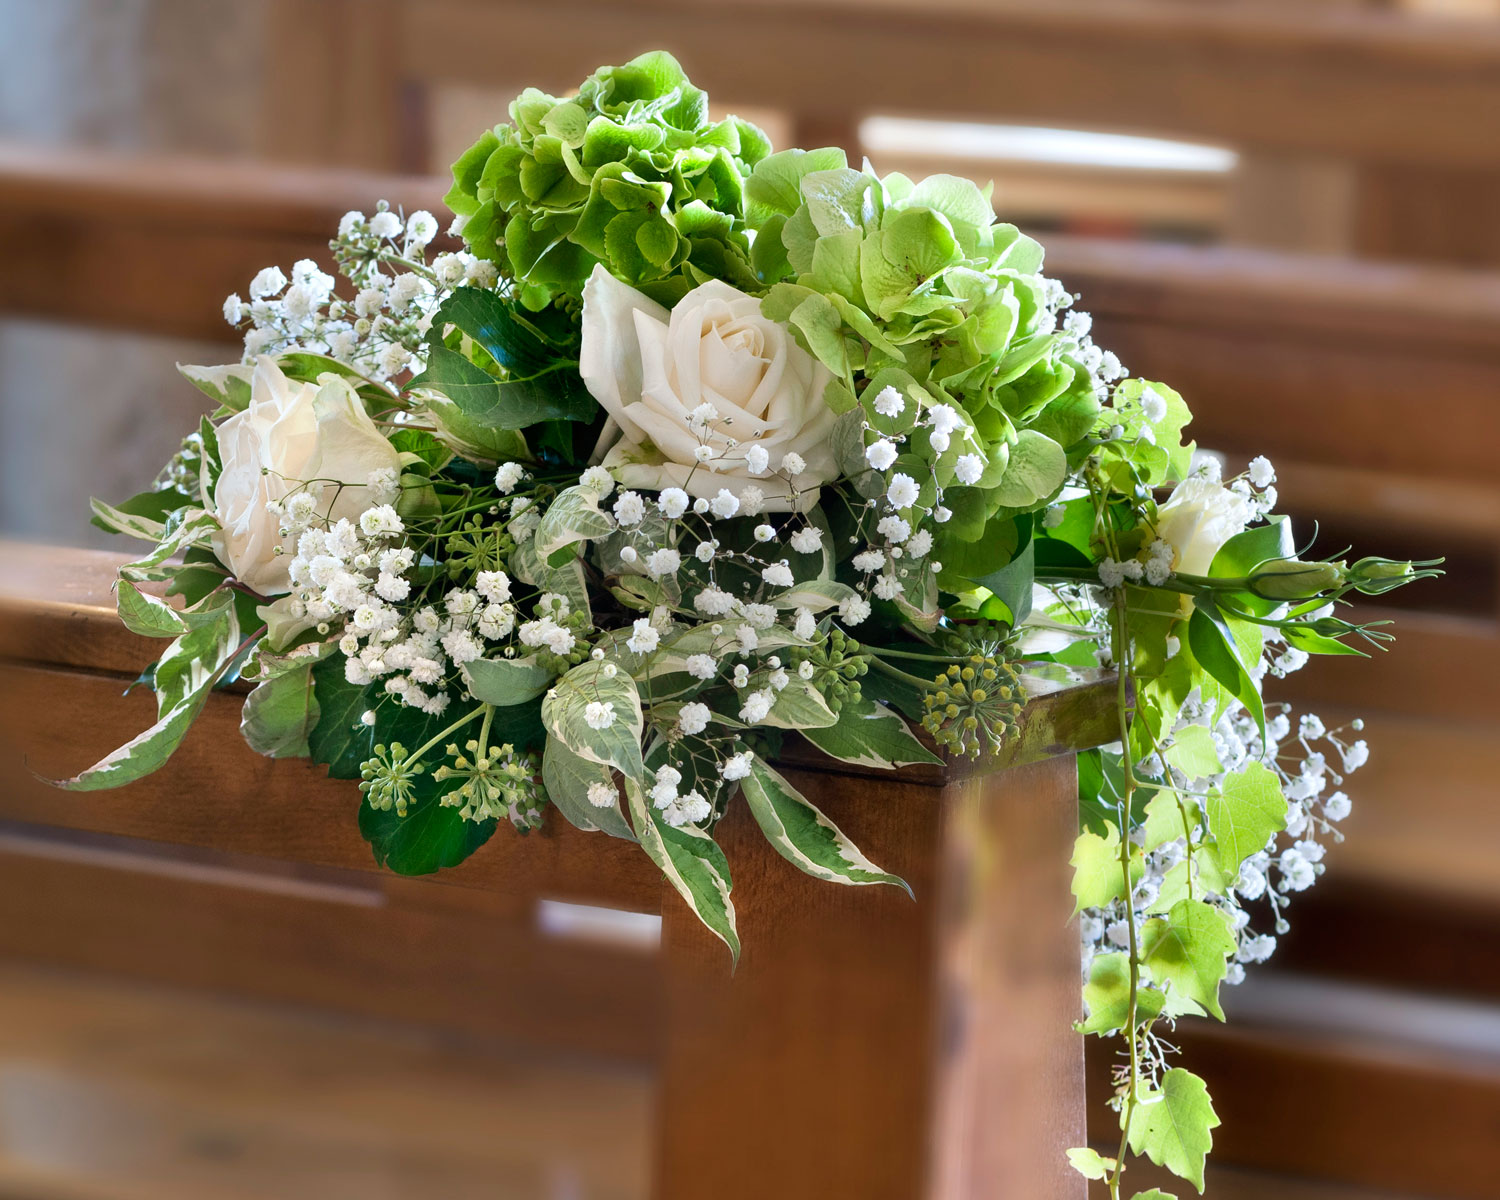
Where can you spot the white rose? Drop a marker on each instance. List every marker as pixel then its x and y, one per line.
pixel 290 433
pixel 650 368
pixel 1199 518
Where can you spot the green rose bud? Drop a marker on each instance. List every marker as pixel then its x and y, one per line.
pixel 1373 576
pixel 1292 579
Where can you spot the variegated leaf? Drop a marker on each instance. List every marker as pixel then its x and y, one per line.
pixel 567 778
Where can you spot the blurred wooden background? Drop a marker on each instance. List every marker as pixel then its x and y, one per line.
pixel 1285 209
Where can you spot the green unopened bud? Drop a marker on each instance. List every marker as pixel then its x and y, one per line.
pixel 1375 575
pixel 1292 579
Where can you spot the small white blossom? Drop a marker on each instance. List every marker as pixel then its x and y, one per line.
pixel 778 574
pixel 920 544
pixel 1262 473
pixel 807 540
pixel 1356 756
pixel 764 533
pixel 267 282
pixel 903 490
pixel 889 403
pixel 757 460
pixel 968 468
pixel 725 504
pixel 705 551
pixel 601 795
pixel 943 419
pixel 385 225
pixel 806 624
pixel 507 475
pixel 736 766
pixel 421 227
pixel 888 587
pixel 597 479
pixel 644 636
pixel 854 609
pixel 793 464
pixel 599 715
pixel 629 509
pixel 894 529
pixel 493 586
pixel 1152 405
pixel 869 560
pixel 661 562
pixel 881 454
pixel 701 666
pixel 673 503
pixel 713 602
pixel 693 718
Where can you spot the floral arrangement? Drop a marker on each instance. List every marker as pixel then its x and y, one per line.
pixel 693 443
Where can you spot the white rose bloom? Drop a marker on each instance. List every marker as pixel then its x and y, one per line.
pixel 289 433
pixel 1199 518
pixel 651 368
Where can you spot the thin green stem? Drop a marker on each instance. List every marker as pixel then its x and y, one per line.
pixel 454 728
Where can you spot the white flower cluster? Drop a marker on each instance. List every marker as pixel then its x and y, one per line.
pixel 380 330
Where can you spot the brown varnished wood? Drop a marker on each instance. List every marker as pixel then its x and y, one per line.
pixel 855 1050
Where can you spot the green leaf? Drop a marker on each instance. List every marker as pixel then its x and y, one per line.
pixel 1193 753
pixel 1244 813
pixel 1189 949
pixel 280 713
pixel 564 710
pixel 567 778
pixel 552 393
pixel 149 616
pixel 692 862
pixel 506 680
pixel 804 836
pixel 1154 1194
pixel 1097 877
pixel 870 735
pixel 1172 1127
pixel 1107 993
pixel 1089 1163
pixel 814 595
pixel 1213 648
pixel 430 837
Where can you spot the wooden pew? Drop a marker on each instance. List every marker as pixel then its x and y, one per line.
pixel 866 1044
pixel 1365 126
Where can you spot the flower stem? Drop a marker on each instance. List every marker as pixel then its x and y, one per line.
pixel 454 728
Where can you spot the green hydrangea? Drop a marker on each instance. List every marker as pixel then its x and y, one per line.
pixel 630 172
pixel 916 286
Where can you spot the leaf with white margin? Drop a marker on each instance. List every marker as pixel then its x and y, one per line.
pixel 692 863
pixel 567 778
pixel 506 681
pixel 616 745
pixel 573 517
pixel 229 385
pixel 799 705
pixel 195 527
pixel 815 595
pixel 804 836
pixel 116 520
pixel 870 735
pixel 185 676
pixel 149 616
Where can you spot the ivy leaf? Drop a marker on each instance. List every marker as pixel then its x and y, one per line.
pixel 692 862
pixel 1172 1127
pixel 1107 993
pixel 1154 1194
pixel 870 735
pixel 1090 1163
pixel 1097 878
pixel 1189 949
pixel 1193 753
pixel 803 836
pixel 1244 813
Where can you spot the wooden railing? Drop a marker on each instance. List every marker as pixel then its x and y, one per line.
pixel 867 1045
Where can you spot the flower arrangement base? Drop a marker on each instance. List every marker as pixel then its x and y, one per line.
pixel 869 1044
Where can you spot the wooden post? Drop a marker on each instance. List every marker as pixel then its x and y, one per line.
pixel 874 1046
